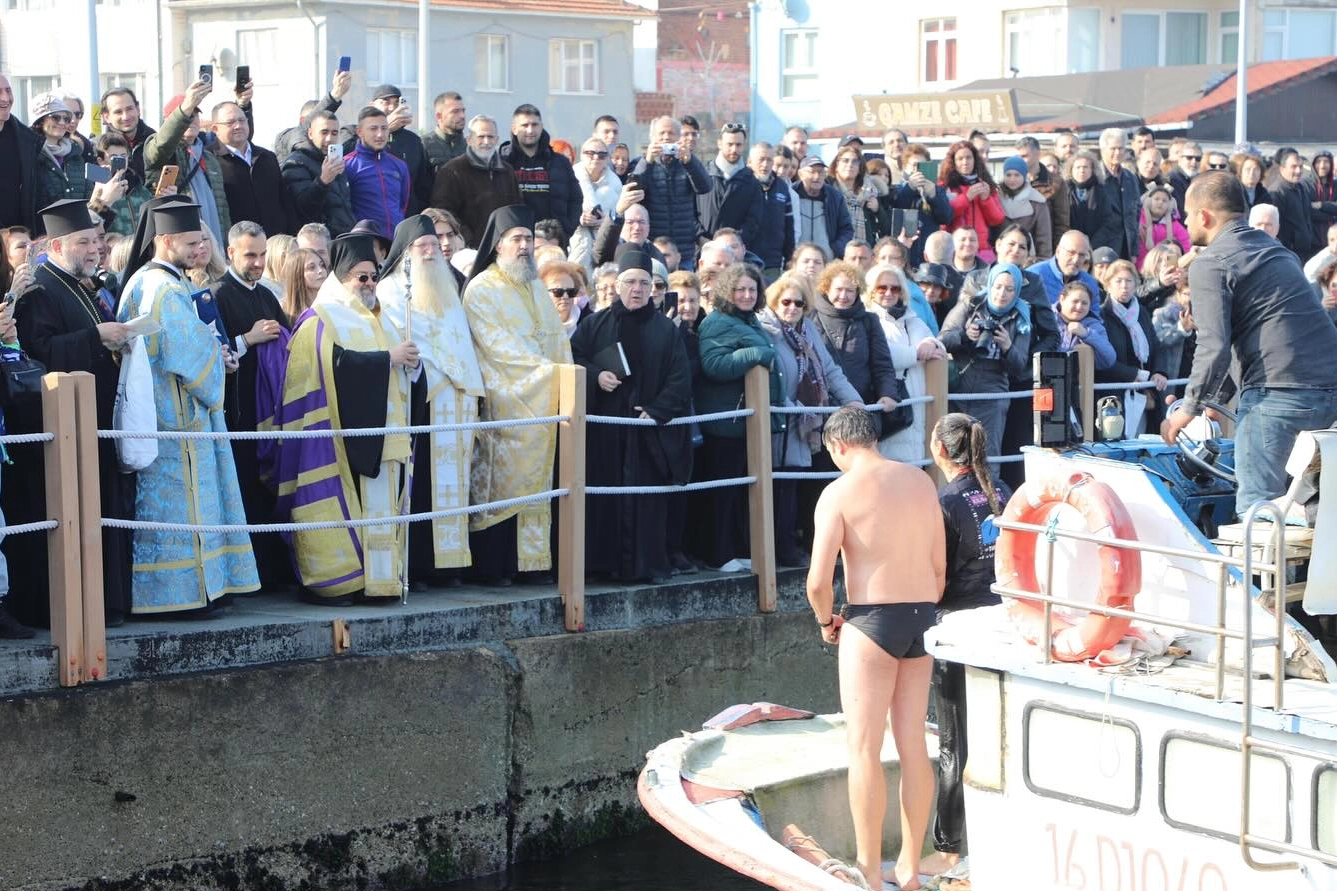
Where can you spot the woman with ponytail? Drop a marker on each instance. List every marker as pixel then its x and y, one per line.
pixel 970 501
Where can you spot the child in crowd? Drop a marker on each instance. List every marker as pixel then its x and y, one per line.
pixel 1078 324
pixel 1159 222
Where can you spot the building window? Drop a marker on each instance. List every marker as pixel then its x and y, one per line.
pixel 1083 40
pixel 1298 33
pixel 258 48
pixel 492 63
pixel 134 82
pixel 573 66
pixel 938 37
pixel 1152 39
pixel 1034 34
pixel 392 57
pixel 1230 37
pixel 25 88
pixel 798 65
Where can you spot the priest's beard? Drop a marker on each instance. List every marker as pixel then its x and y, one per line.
pixel 434 289
pixel 521 269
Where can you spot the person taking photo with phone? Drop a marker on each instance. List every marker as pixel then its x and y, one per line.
pixel 671 178
pixel 314 176
pixel 180 144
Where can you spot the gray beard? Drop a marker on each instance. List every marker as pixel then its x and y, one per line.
pixel 522 269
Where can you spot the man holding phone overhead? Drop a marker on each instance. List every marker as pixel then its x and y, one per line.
pixel 251 177
pixel 180 144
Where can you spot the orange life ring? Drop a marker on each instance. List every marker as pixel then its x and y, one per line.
pixel 1120 568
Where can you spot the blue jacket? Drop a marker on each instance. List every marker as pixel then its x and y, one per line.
pixel 1097 338
pixel 839 227
pixel 735 203
pixel 1052 278
pixel 671 188
pixel 379 185
pixel 774 241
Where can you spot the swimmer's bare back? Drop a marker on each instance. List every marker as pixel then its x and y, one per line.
pixel 888 527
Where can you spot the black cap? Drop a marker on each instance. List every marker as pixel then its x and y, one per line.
pixel 347 251
pixel 503 220
pixel 850 139
pixel 409 230
pixel 932 274
pixel 372 228
pixel 67 216
pixel 384 91
pixel 634 259
pixel 174 219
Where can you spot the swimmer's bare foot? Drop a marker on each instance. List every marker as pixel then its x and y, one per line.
pixel 937 863
pixel 906 880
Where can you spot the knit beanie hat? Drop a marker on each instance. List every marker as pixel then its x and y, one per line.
pixel 1015 163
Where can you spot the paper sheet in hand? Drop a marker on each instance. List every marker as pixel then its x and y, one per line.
pixel 143 326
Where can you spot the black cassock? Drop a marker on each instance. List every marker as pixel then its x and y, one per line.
pixel 626 535
pixel 240 308
pixel 57 326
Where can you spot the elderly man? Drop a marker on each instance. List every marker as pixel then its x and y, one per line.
pixel 735 200
pixel 1119 229
pixel 63 324
pixel 191 481
pixel 1066 266
pixel 1264 217
pixel 671 178
pixel 629 224
pixel 520 342
pixel 478 182
pixel 418 292
pixel 1187 167
pixel 20 149
pixel 626 536
pixel 774 241
pixel 823 217
pixel 348 366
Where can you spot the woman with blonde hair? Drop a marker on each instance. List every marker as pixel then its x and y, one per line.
pixel 1161 275
pixel 276 251
pixel 303 274
pixel 214 269
pixel 911 344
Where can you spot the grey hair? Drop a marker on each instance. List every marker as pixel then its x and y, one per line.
pixel 314 230
pixel 851 426
pixel 481 119
pixel 1110 132
pixel 244 228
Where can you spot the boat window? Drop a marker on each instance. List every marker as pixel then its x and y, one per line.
pixel 1192 764
pixel 985 729
pixel 1086 758
pixel 1325 809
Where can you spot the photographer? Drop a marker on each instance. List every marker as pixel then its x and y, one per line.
pixel 989 338
pixel 671 178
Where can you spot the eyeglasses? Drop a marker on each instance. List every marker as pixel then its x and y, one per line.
pixel 1225 166
pixel 1190 157
pixel 590 154
pixel 564 293
pixel 887 289
pixel 364 277
pixel 733 127
pixel 78 115
pixel 660 286
pixel 786 302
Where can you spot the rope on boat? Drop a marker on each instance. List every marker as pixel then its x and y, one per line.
pixel 843 870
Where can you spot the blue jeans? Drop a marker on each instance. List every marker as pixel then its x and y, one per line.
pixel 1269 420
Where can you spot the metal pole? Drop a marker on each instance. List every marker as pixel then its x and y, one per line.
pixel 424 75
pixel 94 82
pixel 1242 78
pixel 406 496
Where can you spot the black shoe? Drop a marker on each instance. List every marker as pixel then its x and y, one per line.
pixel 682 565
pixel 12 629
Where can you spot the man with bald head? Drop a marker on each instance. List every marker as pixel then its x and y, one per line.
pixel 672 178
pixel 1067 265
pixel 1251 302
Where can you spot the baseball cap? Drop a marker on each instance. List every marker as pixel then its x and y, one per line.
pixel 385 91
pixel 811 161
pixel 1103 256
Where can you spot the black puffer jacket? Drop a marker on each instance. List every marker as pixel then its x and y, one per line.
pixel 856 341
pixel 313 200
pixel 671 188
pixel 547 182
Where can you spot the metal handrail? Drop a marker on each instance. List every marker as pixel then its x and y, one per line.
pixel 1132 544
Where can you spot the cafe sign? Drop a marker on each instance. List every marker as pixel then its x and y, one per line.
pixel 994 110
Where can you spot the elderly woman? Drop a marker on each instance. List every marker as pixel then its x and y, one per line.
pixel 810 378
pixel 600 190
pixel 989 336
pixel 1136 348
pixel 1249 170
pixel 911 344
pixel 605 286
pixel 1161 275
pixel 732 342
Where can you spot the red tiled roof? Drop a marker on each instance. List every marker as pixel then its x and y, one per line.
pixel 618 8
pixel 1264 78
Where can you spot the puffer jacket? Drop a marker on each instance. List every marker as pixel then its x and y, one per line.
pixel 671 188
pixel 378 183
pixel 978 214
pixel 774 242
pixel 547 182
pixel 730 343
pixel 58 181
pixel 313 200
pixel 166 147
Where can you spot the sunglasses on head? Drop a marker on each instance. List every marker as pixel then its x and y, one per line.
pixel 568 293
pixel 733 127
pixel 364 277
pixel 593 154
pixel 786 301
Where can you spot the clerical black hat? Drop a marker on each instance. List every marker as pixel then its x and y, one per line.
pixel 634 259
pixel 67 216
pixel 503 220
pixel 174 219
pixel 347 251
pixel 408 231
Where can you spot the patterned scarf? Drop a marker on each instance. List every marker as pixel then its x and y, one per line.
pixel 1128 314
pixel 812 389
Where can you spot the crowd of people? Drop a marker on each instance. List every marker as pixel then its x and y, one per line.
pixel 362 274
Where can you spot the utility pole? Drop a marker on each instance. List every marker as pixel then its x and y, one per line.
pixel 94 93
pixel 424 57
pixel 1242 78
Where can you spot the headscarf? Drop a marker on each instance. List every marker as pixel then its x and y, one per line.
pixel 348 251
pixel 503 220
pixel 996 270
pixel 408 231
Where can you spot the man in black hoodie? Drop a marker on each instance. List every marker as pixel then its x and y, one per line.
pixel 316 181
pixel 547 181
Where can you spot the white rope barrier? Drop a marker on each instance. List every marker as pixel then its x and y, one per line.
pixel 1005 459
pixel 618 420
pixel 1139 385
pixel 670 490
pixel 21 528
pixel 396 520
pixel 832 409
pixel 20 438
pixel 990 397
pixel 330 434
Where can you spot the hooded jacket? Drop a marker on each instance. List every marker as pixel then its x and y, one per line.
pixel 734 201
pixel 289 137
pixel 314 201
pixel 547 182
pixel 379 185
pixel 670 189
pixel 472 189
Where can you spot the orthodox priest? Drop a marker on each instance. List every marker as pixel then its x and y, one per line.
pixel 191 481
pixel 520 342
pixel 348 366
pixel 67 326
pixel 626 535
pixel 416 279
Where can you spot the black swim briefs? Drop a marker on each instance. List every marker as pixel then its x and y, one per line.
pixel 898 628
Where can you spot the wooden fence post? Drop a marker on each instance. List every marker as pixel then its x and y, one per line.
pixel 63 542
pixel 935 385
pixel 571 507
pixel 1086 380
pixel 90 526
pixel 761 514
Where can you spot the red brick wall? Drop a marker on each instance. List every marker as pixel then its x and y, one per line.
pixel 713 99
pixel 725 22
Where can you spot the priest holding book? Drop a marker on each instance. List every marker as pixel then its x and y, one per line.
pixel 636 367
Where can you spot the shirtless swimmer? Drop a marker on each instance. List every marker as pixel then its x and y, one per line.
pixel 883 518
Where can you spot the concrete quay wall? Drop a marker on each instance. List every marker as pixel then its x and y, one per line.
pixel 387 771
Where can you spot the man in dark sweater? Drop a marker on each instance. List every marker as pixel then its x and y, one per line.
pixel 1251 298
pixel 251 176
pixel 547 181
pixel 448 141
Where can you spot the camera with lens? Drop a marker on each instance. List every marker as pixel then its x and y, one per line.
pixel 987 326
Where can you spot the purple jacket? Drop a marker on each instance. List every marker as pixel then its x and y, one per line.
pixel 379 183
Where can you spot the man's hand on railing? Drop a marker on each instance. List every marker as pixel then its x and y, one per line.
pixel 405 355
pixel 887 403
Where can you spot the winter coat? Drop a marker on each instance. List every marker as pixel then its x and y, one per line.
pixel 979 215
pixel 442 148
pixel 1161 232
pixel 839 227
pixel 670 189
pixel 903 338
pixel 547 182
pixel 858 344
pixel 472 190
pixel 379 185
pixel 1029 210
pixel 29 145
pixel 730 343
pixel 1055 192
pixel 313 201
pixel 1125 366
pixel 255 192
pixel 1087 215
pixel 1095 337
pixel 987 371
pixel 57 181
pixel 774 241
pixel 405 145
pixel 167 147
pixel 289 138
pixel 1044 324
pixel 934 213
pixel 125 213
pixel 1117 228
pixel 735 202
pixel 1294 203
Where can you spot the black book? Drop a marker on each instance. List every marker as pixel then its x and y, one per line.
pixel 613 358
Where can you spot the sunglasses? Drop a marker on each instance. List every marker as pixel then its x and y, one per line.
pixel 60 118
pixel 589 154
pixel 564 293
pixel 1191 157
pixel 364 277
pixel 1218 166
pixel 887 289
pixel 786 302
